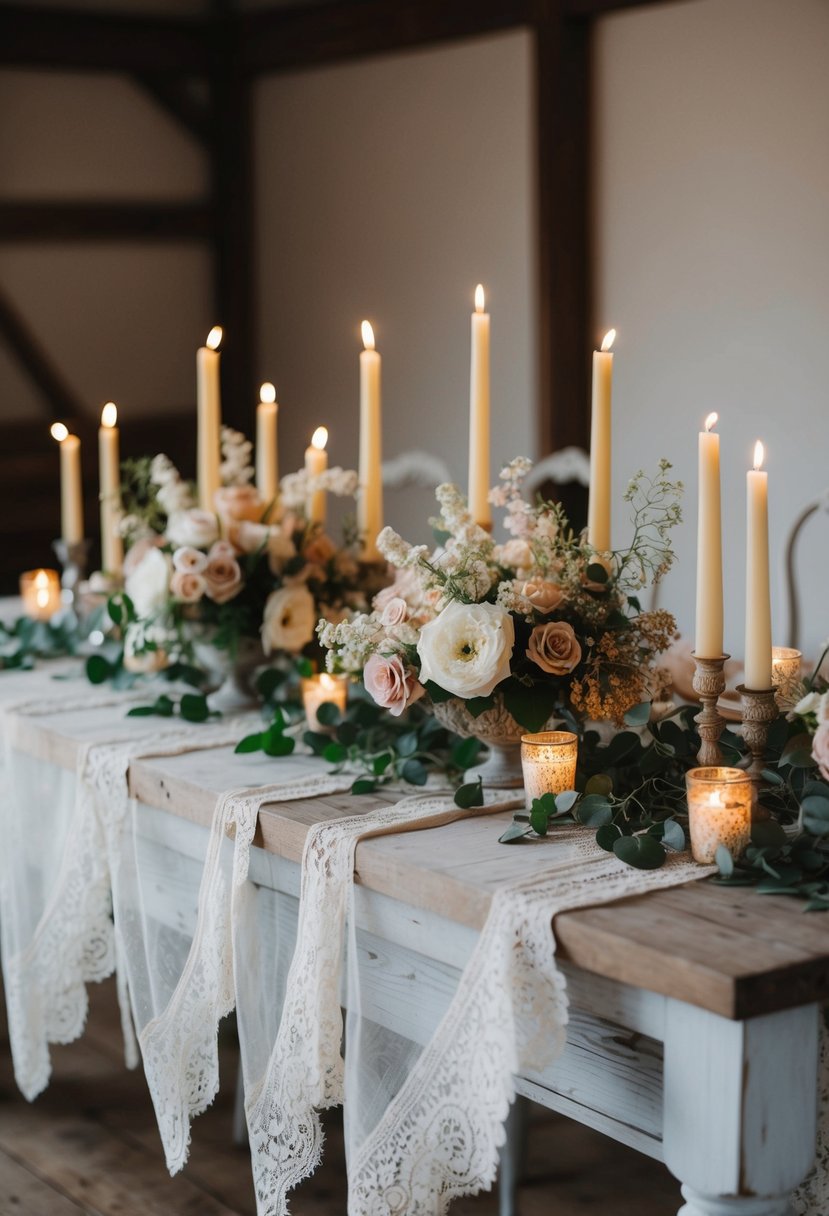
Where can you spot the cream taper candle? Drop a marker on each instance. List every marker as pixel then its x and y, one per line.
pixel 479 423
pixel 316 462
pixel 708 643
pixel 71 485
pixel 758 589
pixel 109 482
pixel 209 403
pixel 598 510
pixel 370 502
pixel 267 447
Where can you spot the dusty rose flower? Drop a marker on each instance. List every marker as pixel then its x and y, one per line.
pixel 189 560
pixel 320 549
pixel 543 595
pixel 395 612
pixel 223 576
pixel 236 503
pixel 221 548
pixel 390 684
pixel 820 748
pixel 188 586
pixel 554 648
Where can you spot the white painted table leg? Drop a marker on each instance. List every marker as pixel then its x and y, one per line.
pixel 740 1117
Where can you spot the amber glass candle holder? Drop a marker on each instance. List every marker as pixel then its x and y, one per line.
pixel 785 674
pixel 317 690
pixel 40 592
pixel 719 811
pixel 548 760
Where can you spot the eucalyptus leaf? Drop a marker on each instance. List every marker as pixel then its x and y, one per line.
pixel 328 713
pixel 469 795
pixel 539 819
pixel 98 669
pixel 565 801
pixel 594 810
pixel 768 834
pixel 642 852
pixel 724 861
pixel 607 835
pixel 599 784
pixel 250 743
pixel 334 753
pixel 639 714
pixel 193 707
pixel 514 833
pixel 364 785
pixel 414 772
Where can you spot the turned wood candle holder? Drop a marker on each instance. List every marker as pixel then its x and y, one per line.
pixel 760 709
pixel 709 685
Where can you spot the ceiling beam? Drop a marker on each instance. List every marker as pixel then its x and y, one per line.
pixel 178 101
pixel 104 221
pixel 58 398
pixel 97 41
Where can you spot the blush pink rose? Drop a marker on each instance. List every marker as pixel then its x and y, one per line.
pixel 544 596
pixel 248 537
pixel 236 503
pixel 223 577
pixel 189 561
pixel 395 612
pixel 188 587
pixel 390 684
pixel 820 747
pixel 139 551
pixel 554 648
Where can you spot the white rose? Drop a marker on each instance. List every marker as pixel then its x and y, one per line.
pixel 148 585
pixel 196 529
pixel 810 704
pixel 289 620
pixel 467 649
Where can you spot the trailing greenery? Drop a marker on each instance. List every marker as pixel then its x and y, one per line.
pixel 24 641
pixel 191 706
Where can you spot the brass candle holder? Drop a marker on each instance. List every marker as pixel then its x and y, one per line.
pixel 709 685
pixel 760 709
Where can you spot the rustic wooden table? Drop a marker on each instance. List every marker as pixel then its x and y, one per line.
pixel 694 1011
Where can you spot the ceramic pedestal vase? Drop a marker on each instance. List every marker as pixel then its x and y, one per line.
pixel 500 732
pixel 236 691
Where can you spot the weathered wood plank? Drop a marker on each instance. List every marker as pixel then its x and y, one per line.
pixel 23 1192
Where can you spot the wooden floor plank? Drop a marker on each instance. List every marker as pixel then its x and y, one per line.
pixel 23 1194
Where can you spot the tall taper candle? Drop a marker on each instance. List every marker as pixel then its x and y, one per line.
pixel 708 643
pixel 758 589
pixel 316 462
pixel 370 503
pixel 109 478
pixel 208 395
pixel 71 486
pixel 598 510
pixel 479 487
pixel 267 447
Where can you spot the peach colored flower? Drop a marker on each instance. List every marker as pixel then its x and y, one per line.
pixel 395 612
pixel 554 648
pixel 320 549
pixel 389 683
pixel 248 537
pixel 189 561
pixel 188 587
pixel 237 503
pixel 289 619
pixel 543 595
pixel 223 576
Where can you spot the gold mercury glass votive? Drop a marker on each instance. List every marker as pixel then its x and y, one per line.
pixel 40 592
pixel 785 673
pixel 549 762
pixel 719 811
pixel 318 689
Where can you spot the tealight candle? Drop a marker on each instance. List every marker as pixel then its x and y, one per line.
pixel 719 811
pixel 40 592
pixel 785 673
pixel 549 762
pixel 318 689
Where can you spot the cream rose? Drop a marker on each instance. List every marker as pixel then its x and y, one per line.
pixel 188 586
pixel 148 584
pixel 236 503
pixel 820 748
pixel 390 684
pixel 395 612
pixel 193 529
pixel 249 537
pixel 223 575
pixel 467 648
pixel 139 551
pixel 543 595
pixel 289 619
pixel 554 648
pixel 188 560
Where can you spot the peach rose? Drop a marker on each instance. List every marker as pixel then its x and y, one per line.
pixel 188 587
pixel 820 748
pixel 223 576
pixel 389 683
pixel 189 561
pixel 544 596
pixel 554 648
pixel 236 503
pixel 320 549
pixel 248 537
pixel 395 612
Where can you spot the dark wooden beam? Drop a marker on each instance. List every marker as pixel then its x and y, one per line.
pixel 177 99
pixel 601 8
pixel 97 41
pixel 58 398
pixel 564 248
pixel 305 35
pixel 97 221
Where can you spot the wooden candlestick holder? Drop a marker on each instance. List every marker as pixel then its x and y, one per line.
pixel 709 685
pixel 74 560
pixel 760 709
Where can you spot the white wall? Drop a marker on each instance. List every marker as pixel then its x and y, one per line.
pixel 713 263
pixel 387 189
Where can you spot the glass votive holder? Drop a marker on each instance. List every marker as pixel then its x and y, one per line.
pixel 785 674
pixel 548 760
pixel 40 592
pixel 318 689
pixel 719 811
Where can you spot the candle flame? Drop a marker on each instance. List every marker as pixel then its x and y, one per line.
pixel 41 585
pixel 715 800
pixel 58 431
pixel 319 438
pixel 109 414
pixel 711 420
pixel 759 455
pixel 214 338
pixel 479 298
pixel 267 393
pixel 368 335
pixel 608 339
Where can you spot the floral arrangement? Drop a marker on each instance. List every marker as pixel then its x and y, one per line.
pixel 811 714
pixel 250 570
pixel 541 622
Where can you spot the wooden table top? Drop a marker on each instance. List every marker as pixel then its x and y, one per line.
pixel 730 951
